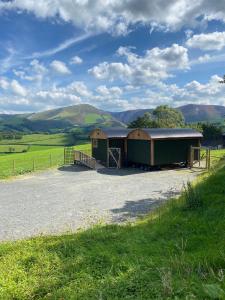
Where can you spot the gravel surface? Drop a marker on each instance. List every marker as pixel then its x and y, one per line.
pixel 56 201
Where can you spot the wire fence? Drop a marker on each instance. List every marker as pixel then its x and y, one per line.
pixel 12 167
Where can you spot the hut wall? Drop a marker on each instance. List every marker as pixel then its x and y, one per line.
pixel 100 152
pixel 173 150
pixel 138 151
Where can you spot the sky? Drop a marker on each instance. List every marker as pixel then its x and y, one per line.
pixel 116 55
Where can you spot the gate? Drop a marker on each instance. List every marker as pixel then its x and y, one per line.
pixel 68 156
pixel 114 158
pixel 199 158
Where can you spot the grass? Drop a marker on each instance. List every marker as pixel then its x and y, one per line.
pixel 13 148
pixel 60 139
pixel 35 159
pixel 173 253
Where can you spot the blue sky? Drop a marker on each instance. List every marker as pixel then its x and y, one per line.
pixel 115 55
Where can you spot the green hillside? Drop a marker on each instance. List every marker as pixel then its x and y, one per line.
pixel 59 120
pixel 83 114
pixel 177 252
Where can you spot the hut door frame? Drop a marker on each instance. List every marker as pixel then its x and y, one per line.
pixel 111 155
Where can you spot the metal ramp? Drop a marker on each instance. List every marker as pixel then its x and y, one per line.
pixel 72 156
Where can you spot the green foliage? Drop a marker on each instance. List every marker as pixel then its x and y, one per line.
pixel 211 131
pixel 168 117
pixel 162 117
pixel 171 254
pixel 192 197
pixel 145 121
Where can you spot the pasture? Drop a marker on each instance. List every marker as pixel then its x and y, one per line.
pixel 38 158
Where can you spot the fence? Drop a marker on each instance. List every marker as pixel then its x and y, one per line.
pixel 11 167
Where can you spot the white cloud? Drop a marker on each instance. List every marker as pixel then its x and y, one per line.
pixel 154 65
pixel 4 84
pixel 115 16
pixel 207 41
pixel 35 71
pixel 60 67
pixel 18 89
pixel 76 60
pixel 114 91
pixel 62 46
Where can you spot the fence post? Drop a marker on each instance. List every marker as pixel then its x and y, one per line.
pixel 50 160
pixel 14 164
pixel 33 165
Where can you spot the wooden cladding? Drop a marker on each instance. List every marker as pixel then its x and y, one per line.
pixel 138 134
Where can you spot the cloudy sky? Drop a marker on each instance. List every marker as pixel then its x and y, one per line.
pixel 113 54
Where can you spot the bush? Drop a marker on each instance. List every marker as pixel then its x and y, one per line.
pixel 192 197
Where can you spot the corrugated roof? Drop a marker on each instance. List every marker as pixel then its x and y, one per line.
pixel 154 133
pixel 116 132
pixel 163 133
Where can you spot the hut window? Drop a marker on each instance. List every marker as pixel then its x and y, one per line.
pixel 95 143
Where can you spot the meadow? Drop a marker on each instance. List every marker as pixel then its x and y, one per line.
pixel 176 252
pixel 35 152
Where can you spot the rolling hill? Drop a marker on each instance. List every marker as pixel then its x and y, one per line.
pixel 88 116
pixel 83 115
pixel 191 112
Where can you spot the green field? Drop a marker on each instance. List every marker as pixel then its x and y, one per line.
pixel 60 139
pixel 176 252
pixel 35 159
pixel 13 148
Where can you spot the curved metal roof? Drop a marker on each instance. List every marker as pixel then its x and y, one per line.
pixel 154 133
pixel 164 133
pixel 116 132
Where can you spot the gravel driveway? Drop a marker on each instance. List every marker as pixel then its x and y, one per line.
pixel 60 200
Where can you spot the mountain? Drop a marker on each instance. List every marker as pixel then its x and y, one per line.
pixel 200 113
pixel 191 112
pixel 129 115
pixel 83 115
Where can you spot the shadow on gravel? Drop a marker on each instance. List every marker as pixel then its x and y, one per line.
pixel 73 168
pixel 120 172
pixel 134 209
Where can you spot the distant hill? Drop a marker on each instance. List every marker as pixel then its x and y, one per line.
pixel 83 115
pixel 191 112
pixel 199 113
pixel 88 116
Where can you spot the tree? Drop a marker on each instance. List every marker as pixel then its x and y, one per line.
pixel 145 121
pixel 211 131
pixel 168 117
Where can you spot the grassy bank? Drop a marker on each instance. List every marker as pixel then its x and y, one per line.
pixel 175 253
pixel 36 159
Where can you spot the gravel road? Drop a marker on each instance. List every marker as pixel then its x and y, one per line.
pixel 56 201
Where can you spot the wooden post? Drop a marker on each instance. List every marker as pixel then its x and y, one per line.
pixel 33 165
pixel 191 157
pixel 152 153
pixel 50 160
pixel 209 159
pixel 14 164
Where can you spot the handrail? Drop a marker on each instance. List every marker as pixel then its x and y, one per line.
pixel 85 159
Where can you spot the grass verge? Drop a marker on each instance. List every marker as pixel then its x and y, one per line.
pixel 173 253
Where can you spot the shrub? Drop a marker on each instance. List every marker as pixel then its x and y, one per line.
pixel 192 196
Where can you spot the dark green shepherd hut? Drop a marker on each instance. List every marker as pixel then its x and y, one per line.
pixel 161 146
pixel 109 146
pixel 147 147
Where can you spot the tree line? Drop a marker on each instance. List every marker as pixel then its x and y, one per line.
pixel 164 116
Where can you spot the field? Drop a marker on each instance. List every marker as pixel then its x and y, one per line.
pixel 13 148
pixel 60 139
pixel 177 252
pixel 38 158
